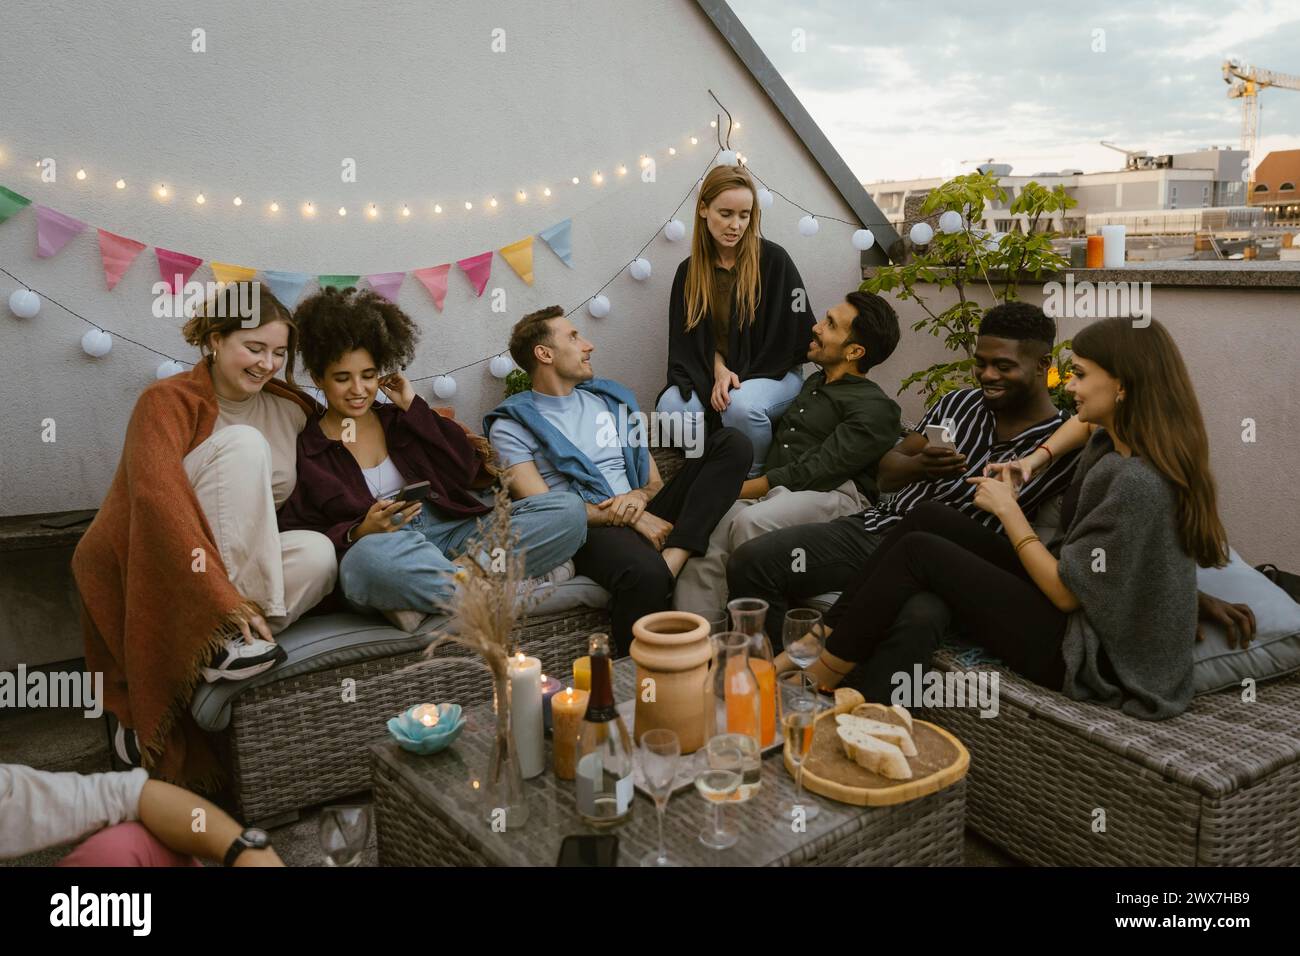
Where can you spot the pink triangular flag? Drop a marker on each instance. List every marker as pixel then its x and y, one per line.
pixel 478 269
pixel 386 283
pixel 118 252
pixel 176 265
pixel 434 278
pixel 53 230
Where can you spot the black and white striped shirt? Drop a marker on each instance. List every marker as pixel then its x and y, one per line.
pixel 974 433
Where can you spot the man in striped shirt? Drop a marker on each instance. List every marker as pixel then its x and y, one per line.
pixel 1007 416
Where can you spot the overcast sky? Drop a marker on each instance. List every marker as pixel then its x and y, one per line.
pixel 910 89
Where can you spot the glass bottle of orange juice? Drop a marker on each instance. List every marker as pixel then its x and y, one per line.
pixel 748 617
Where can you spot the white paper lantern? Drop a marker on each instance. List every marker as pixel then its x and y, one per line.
pixel 598 307
pixel 765 198
pixel 727 157
pixel 921 234
pixel 863 240
pixel 444 386
pixel 169 368
pixel 640 269
pixel 950 222
pixel 96 343
pixel 675 230
pixel 24 303
pixel 808 226
pixel 501 365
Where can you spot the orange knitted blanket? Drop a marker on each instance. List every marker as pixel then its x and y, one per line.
pixel 150 617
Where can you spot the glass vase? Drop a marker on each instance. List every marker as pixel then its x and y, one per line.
pixel 503 784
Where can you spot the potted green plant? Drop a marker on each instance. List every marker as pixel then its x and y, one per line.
pixel 967 257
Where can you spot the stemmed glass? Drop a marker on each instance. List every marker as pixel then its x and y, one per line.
pixel 659 754
pixel 716 782
pixel 799 706
pixel 802 636
pixel 343 833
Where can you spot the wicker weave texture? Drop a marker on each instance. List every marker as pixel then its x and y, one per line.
pixel 299 742
pixel 429 813
pixel 1218 785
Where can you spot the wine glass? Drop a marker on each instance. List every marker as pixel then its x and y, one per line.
pixel 802 636
pixel 343 833
pixel 799 706
pixel 659 754
pixel 716 782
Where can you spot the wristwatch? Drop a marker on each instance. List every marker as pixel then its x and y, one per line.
pixel 251 839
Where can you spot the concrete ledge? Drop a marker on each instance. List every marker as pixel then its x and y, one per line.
pixel 1235 274
pixel 31 532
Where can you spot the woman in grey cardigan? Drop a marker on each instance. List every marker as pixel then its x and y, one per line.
pixel 1106 613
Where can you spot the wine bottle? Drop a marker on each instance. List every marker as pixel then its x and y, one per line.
pixel 604 775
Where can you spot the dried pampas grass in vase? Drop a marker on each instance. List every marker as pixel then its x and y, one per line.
pixel 490 597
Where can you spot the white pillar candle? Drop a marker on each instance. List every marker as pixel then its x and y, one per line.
pixel 526 713
pixel 1112 247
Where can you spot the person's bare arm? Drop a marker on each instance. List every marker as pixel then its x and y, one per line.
pixel 914 459
pixel 524 480
pixel 188 824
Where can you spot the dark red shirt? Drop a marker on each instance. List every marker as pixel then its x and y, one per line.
pixel 331 494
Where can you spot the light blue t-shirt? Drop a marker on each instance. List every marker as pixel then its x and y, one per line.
pixel 578 417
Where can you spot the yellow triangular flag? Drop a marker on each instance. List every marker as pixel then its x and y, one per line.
pixel 228 273
pixel 520 256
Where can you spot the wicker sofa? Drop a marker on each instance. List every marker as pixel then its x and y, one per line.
pixel 298 735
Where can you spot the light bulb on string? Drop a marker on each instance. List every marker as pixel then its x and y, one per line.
pixel 694 141
pixel 468 205
pixel 546 191
pixel 238 201
pixel 599 177
pixel 162 191
pixel 575 178
pixel 275 207
pixel 309 209
pixel 645 160
pixel 713 124
pixel 437 208
pixel 736 125
pixel 120 184
pixel 373 211
pixel 672 150
pixel 493 202
pixel 523 196
pixel 622 170
pixel 343 210
pixel 200 199
pixel 406 210
pixel 81 174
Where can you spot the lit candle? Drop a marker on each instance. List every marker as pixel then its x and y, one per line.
pixel 582 673
pixel 426 714
pixel 526 713
pixel 550 687
pixel 567 711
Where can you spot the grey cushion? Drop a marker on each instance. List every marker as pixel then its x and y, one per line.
pixel 1276 647
pixel 335 640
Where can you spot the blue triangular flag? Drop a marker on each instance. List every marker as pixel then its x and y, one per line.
pixel 557 237
pixel 286 286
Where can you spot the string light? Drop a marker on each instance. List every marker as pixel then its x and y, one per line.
pixel 406 210
pixel 546 191
pixel 121 184
pixel 645 160
pixel 308 209
pixel 373 212
pixel 468 205
pixel 575 178
pixel 162 191
pixel 238 201
pixel 599 177
pixel 736 125
pixel 523 196
pixel 672 150
pixel 343 210
pixel 81 174
pixel 622 170
pixel 437 208
pixel 200 199
pixel 493 202
pixel 694 140
pixel 275 207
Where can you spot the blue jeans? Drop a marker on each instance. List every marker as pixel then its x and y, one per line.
pixel 408 569
pixel 755 406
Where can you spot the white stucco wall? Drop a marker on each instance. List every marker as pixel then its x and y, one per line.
pixel 414 93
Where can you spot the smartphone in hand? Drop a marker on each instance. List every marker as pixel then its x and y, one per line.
pixel 941 436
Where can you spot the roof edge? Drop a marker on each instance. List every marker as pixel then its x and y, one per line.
pixel 814 140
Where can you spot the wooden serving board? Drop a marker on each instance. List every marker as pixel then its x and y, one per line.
pixel 941 760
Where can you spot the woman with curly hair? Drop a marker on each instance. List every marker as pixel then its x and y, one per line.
pixel 356 455
pixel 184 574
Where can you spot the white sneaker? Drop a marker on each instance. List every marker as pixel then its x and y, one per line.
pixel 239 660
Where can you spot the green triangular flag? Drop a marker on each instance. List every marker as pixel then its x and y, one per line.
pixel 11 202
pixel 337 282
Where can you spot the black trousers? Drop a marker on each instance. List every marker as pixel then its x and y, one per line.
pixel 971 569
pixel 627 565
pixel 792 564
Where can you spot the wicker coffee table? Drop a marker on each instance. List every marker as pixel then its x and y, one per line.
pixel 429 813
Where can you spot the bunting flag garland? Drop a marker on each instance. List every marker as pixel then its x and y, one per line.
pixel 387 284
pixel 117 253
pixel 520 256
pixel 11 202
pixel 557 237
pixel 53 230
pixel 434 278
pixel 173 266
pixel 224 272
pixel 286 286
pixel 478 269
pixel 337 281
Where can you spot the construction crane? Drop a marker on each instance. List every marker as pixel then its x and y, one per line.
pixel 1244 83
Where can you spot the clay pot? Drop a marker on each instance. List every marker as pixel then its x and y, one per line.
pixel 672 653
